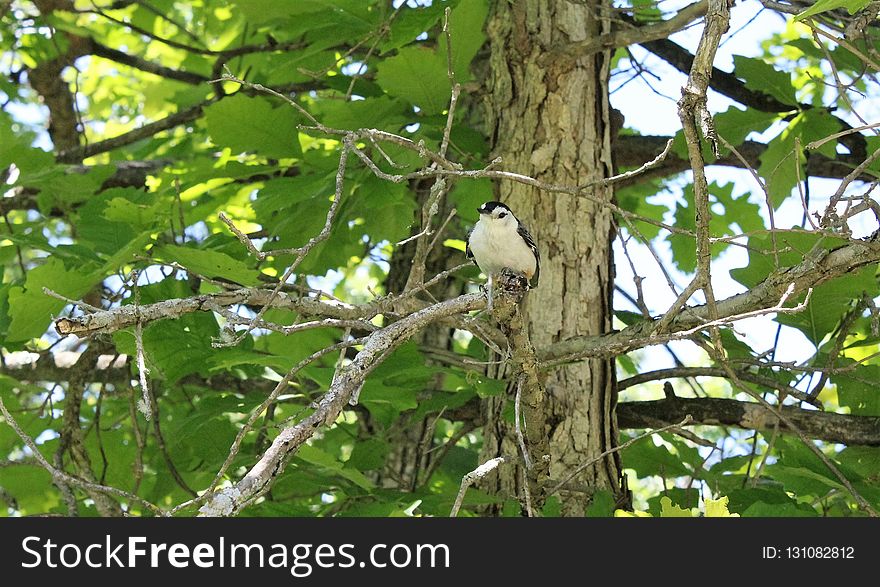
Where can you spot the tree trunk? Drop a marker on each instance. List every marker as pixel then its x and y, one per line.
pixel 550 118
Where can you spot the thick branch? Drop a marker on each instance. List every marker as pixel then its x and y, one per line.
pixel 673 372
pixel 811 272
pixel 115 369
pixel 144 65
pixel 633 150
pixel 507 310
pixel 63 366
pixel 631 35
pixel 732 87
pixel 839 428
pixel 46 80
pixel 346 381
pixel 77 154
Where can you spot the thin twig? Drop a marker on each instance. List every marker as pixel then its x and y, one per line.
pixel 517 416
pixel 144 405
pixel 611 451
pixel 471 478
pixel 64 477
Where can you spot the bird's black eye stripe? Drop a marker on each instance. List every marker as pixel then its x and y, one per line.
pixel 502 215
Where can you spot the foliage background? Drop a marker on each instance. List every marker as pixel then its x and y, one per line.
pixel 87 215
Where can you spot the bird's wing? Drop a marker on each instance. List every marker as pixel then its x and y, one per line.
pixel 524 233
pixel 467 247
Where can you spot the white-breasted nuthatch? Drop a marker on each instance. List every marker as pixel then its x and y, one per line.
pixel 499 241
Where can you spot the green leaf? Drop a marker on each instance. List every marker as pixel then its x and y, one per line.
pixel 138 216
pixel 684 247
pixel 802 472
pixel 829 302
pixel 316 456
pixel 864 460
pixel 734 125
pixel 634 198
pixel 857 389
pixel 260 11
pixel 684 498
pixel 173 348
pixel 418 75
pixel 413 21
pixel 15 147
pixel 670 510
pixel 740 499
pixel 369 455
pixel 379 211
pixel 601 506
pixel 210 264
pixel 717 508
pixel 466 25
pixel 820 6
pixel 646 459
pixel 110 232
pixel 247 124
pixel 32 310
pixel 394 386
pixel 206 433
pixel 62 189
pixel 792 247
pixel 383 113
pixel 803 481
pixel 467 196
pixel 780 158
pixel 31 487
pixel 762 77
pixel 759 509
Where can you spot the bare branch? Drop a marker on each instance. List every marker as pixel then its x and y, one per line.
pixel 628 443
pixel 229 501
pixel 828 426
pixel 817 268
pixel 77 154
pixel 66 478
pixel 631 35
pixel 783 389
pixel 471 478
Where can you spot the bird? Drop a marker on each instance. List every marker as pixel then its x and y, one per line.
pixel 499 241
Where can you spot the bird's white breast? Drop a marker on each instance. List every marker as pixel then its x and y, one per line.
pixel 496 246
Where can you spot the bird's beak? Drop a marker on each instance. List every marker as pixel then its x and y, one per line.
pixel 481 210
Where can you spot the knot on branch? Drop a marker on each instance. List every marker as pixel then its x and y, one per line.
pixel 65 326
pixel 509 290
pixel 224 503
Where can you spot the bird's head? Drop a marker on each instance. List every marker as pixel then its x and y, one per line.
pixel 496 214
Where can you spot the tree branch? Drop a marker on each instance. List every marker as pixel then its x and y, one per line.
pixel 830 427
pixel 508 293
pixel 811 272
pixel 630 35
pixel 349 378
pixel 62 366
pixel 632 150
pixel 769 382
pixel 77 154
pixel 732 87
pixel 142 64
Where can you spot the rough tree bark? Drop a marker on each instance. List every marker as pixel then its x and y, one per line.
pixel 550 119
